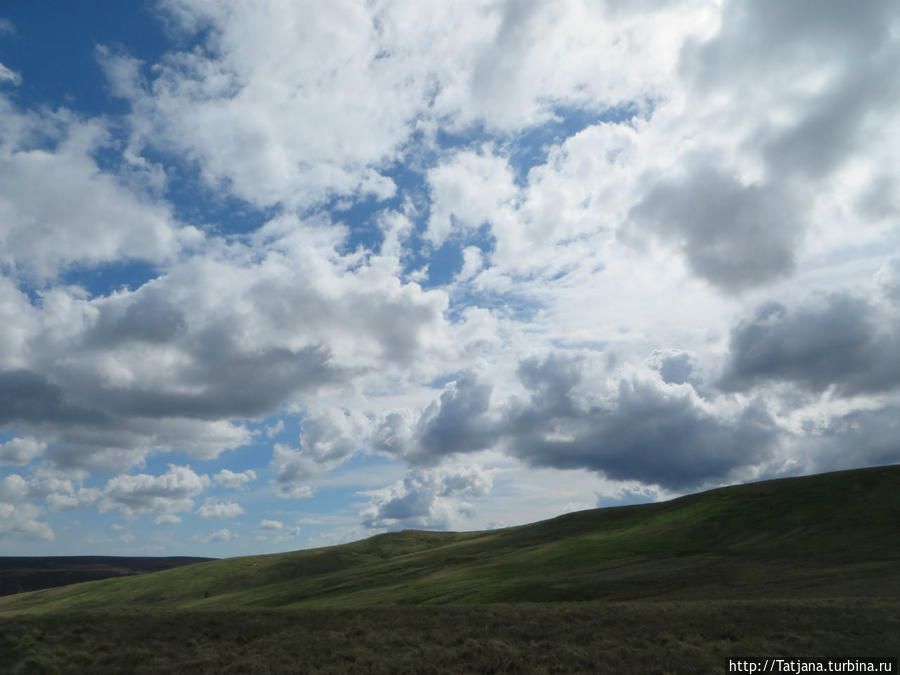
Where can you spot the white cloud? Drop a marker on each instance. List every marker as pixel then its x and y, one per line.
pixel 275 429
pixel 60 494
pixel 167 519
pixel 219 536
pixel 610 186
pixel 217 508
pixel 270 524
pixel 20 521
pixel 58 208
pixel 234 480
pixel 21 451
pixel 9 76
pixel 428 499
pixel 167 493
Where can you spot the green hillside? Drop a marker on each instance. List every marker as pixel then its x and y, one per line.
pixel 833 535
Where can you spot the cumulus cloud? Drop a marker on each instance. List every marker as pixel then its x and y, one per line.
pixel 327 438
pixel 627 428
pixel 501 227
pixel 405 66
pixel 60 494
pixel 643 432
pixel 21 451
pixel 234 481
pixel 734 235
pixel 218 508
pixel 839 340
pixel 57 207
pixel 167 519
pixel 219 536
pixel 20 520
pixel 455 423
pixel 855 439
pixel 265 524
pixel 170 492
pixel 428 499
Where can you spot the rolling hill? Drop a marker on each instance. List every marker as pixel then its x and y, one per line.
pixel 832 535
pixel 19 574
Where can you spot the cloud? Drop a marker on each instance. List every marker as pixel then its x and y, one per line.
pixel 9 76
pixel 428 499
pixel 270 524
pixel 628 427
pixel 234 481
pixel 407 68
pixel 839 340
pixel 825 63
pixel 20 521
pixel 293 468
pixel 21 451
pixel 58 208
pixel 170 492
pixel 856 439
pixel 217 508
pixel 327 438
pixel 167 519
pixel 497 231
pixel 455 423
pixel 60 494
pixel 219 536
pixel 889 277
pixel 638 431
pixel 734 235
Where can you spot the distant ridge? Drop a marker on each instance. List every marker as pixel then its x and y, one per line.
pixel 19 574
pixel 824 536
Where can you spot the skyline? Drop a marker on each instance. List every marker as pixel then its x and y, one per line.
pixel 284 275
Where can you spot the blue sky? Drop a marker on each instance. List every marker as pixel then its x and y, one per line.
pixel 282 275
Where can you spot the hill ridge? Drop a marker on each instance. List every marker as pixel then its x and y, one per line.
pixel 826 535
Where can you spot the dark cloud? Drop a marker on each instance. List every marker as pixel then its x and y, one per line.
pixel 150 318
pixel 890 281
pixel 458 422
pixel 735 236
pixel 841 341
pixel 857 439
pixel 646 434
pixel 229 383
pixel 765 38
pixel 810 84
pixel 26 396
pixel 833 127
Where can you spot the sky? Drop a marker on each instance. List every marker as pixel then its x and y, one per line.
pixel 278 275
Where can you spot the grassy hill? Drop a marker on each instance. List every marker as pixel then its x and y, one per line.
pixel 19 574
pixel 832 535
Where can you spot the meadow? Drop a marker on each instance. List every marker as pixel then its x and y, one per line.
pixel 795 567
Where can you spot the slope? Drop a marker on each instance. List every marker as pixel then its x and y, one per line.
pixel 829 535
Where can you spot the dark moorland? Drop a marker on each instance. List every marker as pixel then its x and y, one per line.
pixel 19 573
pixel 795 567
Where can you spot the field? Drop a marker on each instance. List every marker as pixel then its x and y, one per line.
pixel 21 574
pixel 797 567
pixel 613 637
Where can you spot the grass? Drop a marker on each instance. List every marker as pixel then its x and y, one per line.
pixel 831 535
pixel 796 567
pixel 594 637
